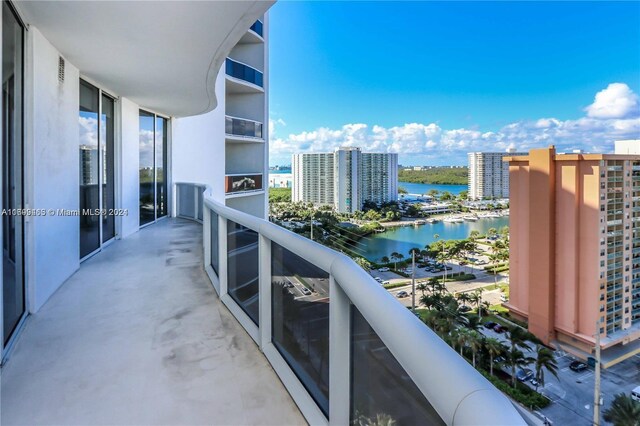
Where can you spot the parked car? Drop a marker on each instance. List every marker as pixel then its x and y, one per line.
pixel 385 282
pixel 578 366
pixel 402 294
pixel 524 374
pixel 499 359
pixel 465 308
pixel 635 394
pixel 499 328
pixel 534 382
pixel 306 291
pixel 489 325
pixel 504 298
pixel 385 269
pixel 378 279
pixel 448 268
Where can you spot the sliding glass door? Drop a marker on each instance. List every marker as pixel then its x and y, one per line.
pixel 153 167
pixel 13 290
pixel 97 191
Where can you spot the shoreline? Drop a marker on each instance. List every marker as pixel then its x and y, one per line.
pixel 411 222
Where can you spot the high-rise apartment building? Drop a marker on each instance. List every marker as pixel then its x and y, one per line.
pixel 489 175
pixel 345 178
pixel 575 249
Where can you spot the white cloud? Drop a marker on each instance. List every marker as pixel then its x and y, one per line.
pixel 431 144
pixel 616 101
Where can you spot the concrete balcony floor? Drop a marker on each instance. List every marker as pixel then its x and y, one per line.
pixel 138 336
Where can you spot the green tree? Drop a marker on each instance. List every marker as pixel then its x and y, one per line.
pixel 544 361
pixel 495 348
pixel 624 411
pixel 475 344
pixel 474 235
pixel 518 338
pixel 395 256
pixel 516 358
pixel 385 260
pixel 402 190
pixel 492 232
pixel 363 263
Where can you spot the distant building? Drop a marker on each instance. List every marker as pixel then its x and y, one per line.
pixel 280 180
pixel 631 146
pixel 575 250
pixel 345 178
pixel 489 175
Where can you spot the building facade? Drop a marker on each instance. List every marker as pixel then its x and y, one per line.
pixel 345 179
pixel 488 175
pixel 575 249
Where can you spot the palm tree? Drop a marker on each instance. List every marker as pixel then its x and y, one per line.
pixel 475 344
pixel 363 263
pixel 384 260
pixel 461 338
pixel 422 287
pixel 518 338
pixel 395 256
pixel 474 235
pixel 475 298
pixel 544 361
pixel 492 232
pixel 463 298
pixel 624 411
pixel 473 323
pixel 495 348
pixel 516 358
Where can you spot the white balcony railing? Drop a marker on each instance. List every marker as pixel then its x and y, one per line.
pixel 340 343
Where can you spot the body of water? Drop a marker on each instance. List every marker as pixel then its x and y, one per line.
pixel 402 239
pixel 423 188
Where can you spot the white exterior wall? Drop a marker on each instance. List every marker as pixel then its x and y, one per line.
pixel 129 177
pixel 51 142
pixel 197 152
pixel 489 175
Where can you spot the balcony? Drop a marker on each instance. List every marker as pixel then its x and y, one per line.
pixel 243 184
pixel 138 336
pixel 254 34
pixel 242 78
pixel 315 314
pixel 243 130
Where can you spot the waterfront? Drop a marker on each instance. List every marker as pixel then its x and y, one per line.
pixel 404 238
pixel 423 188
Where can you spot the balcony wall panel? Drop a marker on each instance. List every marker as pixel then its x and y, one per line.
pixel 51 148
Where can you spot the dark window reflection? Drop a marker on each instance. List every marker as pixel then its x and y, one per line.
pixel 381 390
pixel 89 169
pixel 215 259
pixel 147 172
pixel 13 300
pixel 107 150
pixel 242 268
pixel 300 320
pixel 161 166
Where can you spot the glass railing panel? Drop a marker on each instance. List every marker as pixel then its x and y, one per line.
pixel 243 72
pixel 214 261
pixel 257 28
pixel 300 320
pixel 242 183
pixel 242 268
pixel 186 200
pixel 382 393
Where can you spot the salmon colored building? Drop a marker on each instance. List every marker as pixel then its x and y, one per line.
pixel 575 250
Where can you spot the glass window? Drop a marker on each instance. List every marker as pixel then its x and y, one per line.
pixel 215 259
pixel 89 168
pixel 13 291
pixel 381 390
pixel 107 152
pixel 300 320
pixel 161 166
pixel 147 172
pixel 242 268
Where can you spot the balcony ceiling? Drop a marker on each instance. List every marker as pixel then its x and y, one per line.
pixel 164 56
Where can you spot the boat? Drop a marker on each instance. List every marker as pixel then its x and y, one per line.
pixel 419 222
pixel 452 219
pixel 470 218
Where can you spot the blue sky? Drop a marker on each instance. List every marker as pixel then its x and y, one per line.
pixel 435 80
